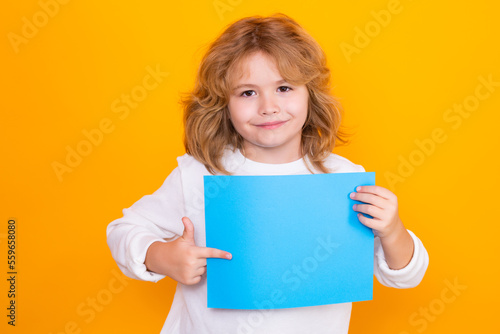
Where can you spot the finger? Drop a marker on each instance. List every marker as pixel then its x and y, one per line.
pixel 369 198
pixel 369 209
pixel 201 263
pixel 377 190
pixel 188 233
pixel 368 222
pixel 200 271
pixel 207 252
pixel 194 280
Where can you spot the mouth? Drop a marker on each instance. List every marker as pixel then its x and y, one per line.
pixel 271 125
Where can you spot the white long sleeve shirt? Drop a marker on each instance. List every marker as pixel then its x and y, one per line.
pixel 157 217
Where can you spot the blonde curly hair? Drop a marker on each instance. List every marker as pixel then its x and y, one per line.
pixel 300 60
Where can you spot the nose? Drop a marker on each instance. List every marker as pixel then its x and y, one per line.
pixel 269 104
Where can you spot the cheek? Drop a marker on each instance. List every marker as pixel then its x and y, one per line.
pixel 238 112
pixel 298 107
pixel 235 117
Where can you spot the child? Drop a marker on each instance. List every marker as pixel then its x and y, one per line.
pixel 261 106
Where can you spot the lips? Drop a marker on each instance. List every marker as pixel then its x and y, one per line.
pixel 271 125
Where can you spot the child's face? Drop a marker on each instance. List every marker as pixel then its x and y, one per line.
pixel 268 112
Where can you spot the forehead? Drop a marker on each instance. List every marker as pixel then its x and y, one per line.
pixel 253 64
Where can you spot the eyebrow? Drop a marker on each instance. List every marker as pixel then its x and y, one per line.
pixel 252 85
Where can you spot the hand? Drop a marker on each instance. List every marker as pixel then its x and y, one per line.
pixel 382 205
pixel 181 259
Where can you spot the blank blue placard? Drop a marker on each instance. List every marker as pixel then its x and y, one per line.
pixel 295 241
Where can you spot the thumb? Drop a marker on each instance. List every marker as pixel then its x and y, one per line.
pixel 188 234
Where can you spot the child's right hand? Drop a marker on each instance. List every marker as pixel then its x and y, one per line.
pixel 181 259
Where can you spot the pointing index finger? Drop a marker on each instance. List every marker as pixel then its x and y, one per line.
pixel 208 252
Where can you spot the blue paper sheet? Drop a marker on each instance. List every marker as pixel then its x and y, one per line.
pixel 295 241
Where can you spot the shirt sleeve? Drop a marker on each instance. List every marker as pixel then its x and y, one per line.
pixel 155 217
pixel 404 278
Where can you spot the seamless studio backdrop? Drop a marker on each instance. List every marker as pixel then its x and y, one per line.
pixel 90 122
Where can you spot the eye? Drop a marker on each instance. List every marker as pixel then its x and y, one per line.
pixel 245 93
pixel 285 87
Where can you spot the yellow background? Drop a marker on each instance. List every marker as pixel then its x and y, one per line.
pixel 395 89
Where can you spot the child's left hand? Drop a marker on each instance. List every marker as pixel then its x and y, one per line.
pixel 382 205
